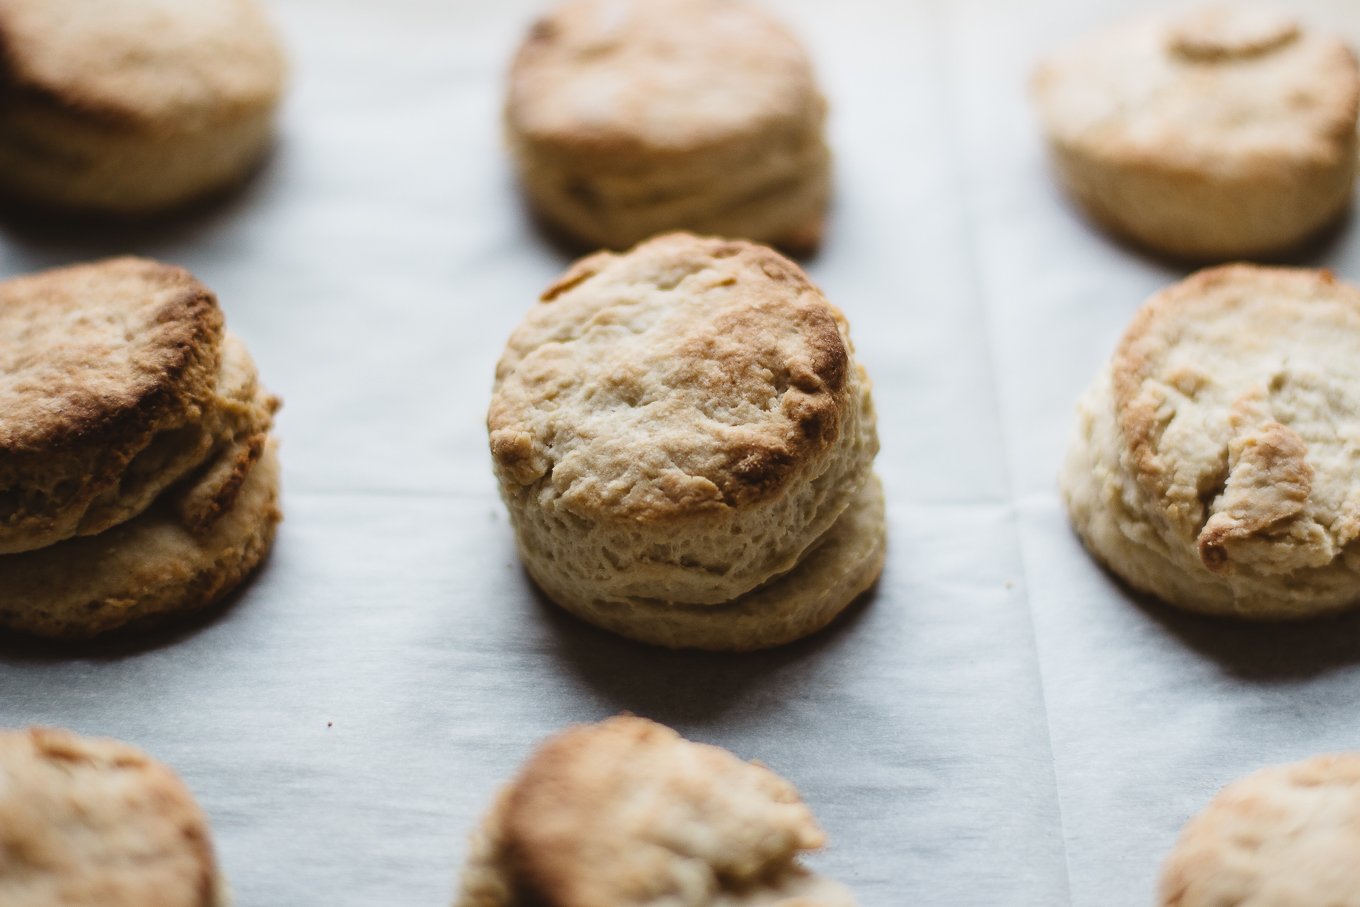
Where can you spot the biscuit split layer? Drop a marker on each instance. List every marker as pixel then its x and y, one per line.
pixel 1227 132
pixel 130 107
pixel 628 813
pixel 632 119
pixel 1282 837
pixel 136 472
pixel 1215 461
pixel 683 425
pixel 86 822
pixel 161 564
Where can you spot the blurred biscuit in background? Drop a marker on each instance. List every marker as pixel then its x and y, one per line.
pixel 131 107
pixel 628 118
pixel 1227 132
pixel 628 813
pixel 1281 837
pixel 86 822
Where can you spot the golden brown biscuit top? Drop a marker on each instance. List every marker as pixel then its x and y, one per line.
pixel 626 812
pixel 686 376
pixel 657 76
pixel 1285 837
pixel 1233 86
pixel 166 64
pixel 96 823
pixel 93 353
pixel 1238 396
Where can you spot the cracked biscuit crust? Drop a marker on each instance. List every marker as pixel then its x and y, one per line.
pixel 1215 463
pixel 97 362
pixel 1282 837
pixel 86 822
pixel 628 813
pixel 679 424
pixel 1225 132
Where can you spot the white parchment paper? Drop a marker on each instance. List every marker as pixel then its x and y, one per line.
pixel 1000 724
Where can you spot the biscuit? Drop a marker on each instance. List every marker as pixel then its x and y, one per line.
pixel 167 562
pixel 130 107
pixel 1215 459
pixel 626 812
pixel 629 119
pixel 1227 132
pixel 1282 837
pixel 114 386
pixel 86 822
pixel 677 428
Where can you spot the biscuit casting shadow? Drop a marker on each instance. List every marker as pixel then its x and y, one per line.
pixel 688 687
pixel 1258 652
pixel 46 237
pixel 133 641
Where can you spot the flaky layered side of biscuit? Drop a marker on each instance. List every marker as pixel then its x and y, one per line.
pixel 97 823
pixel 1227 132
pixel 678 431
pixel 134 107
pixel 627 121
pixel 1212 464
pixel 137 472
pixel 626 812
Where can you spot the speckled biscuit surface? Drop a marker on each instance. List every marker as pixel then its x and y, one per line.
pixel 185 554
pixel 1228 131
pixel 95 823
pixel 129 106
pixel 1215 462
pixel 99 364
pixel 628 119
pixel 680 424
pixel 628 813
pixel 1282 837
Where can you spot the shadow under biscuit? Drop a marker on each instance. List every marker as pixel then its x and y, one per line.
pixel 568 247
pixel 58 236
pixel 690 687
pixel 1316 251
pixel 1256 651
pixel 139 638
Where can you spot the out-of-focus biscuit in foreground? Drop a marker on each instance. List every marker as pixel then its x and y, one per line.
pixel 137 472
pixel 1227 132
pixel 96 823
pixel 131 107
pixel 1282 837
pixel 628 813
pixel 1215 460
pixel 628 119
pixel 685 442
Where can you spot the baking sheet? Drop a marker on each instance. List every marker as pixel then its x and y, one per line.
pixel 999 724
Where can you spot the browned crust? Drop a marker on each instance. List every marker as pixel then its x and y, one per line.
pixel 568 779
pixel 137 783
pixel 760 464
pixel 81 440
pixel 1138 415
pixel 188 353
